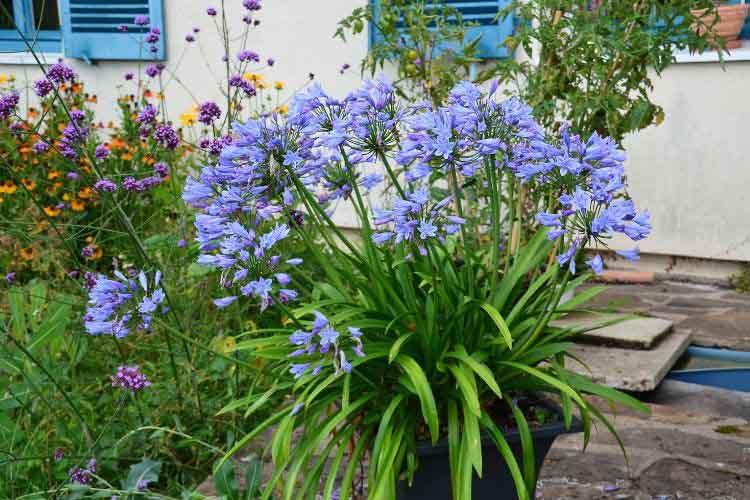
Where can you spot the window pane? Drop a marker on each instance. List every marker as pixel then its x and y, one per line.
pixel 5 23
pixel 45 15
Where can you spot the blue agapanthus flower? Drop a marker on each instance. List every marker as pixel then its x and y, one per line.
pixel 416 219
pixel 598 207
pixel 324 346
pixel 116 306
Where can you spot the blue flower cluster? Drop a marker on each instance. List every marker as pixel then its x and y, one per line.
pixel 598 207
pixel 117 305
pixel 462 134
pixel 242 200
pixel 323 345
pixel 416 219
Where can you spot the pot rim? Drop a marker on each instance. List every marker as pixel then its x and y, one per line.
pixel 545 431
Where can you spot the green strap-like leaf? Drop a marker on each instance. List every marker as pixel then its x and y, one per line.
pixel 527 445
pixel 497 318
pixel 507 453
pixel 424 392
pixel 546 378
pixel 397 346
pixel 467 385
pixel 478 367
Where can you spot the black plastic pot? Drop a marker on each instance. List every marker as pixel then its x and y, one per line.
pixel 432 480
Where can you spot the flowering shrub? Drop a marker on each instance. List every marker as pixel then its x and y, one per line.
pixel 436 317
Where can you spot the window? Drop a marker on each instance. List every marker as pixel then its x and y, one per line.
pixel 38 22
pixel 483 14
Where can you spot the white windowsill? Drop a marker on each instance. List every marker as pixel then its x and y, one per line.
pixel 740 54
pixel 27 58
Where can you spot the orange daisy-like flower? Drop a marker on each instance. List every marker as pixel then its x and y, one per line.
pixel 8 187
pixel 33 113
pixel 51 211
pixel 29 184
pixel 78 205
pixel 126 156
pixel 85 193
pixel 27 253
pixel 148 160
pixel 147 94
pixel 66 196
pixel 53 175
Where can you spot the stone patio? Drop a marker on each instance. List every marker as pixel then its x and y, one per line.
pixel 696 442
pixel 714 316
pixel 694 445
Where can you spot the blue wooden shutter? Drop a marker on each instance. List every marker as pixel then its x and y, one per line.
pixel 90 29
pixel 493 31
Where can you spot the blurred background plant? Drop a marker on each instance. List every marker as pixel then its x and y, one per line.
pixel 426 42
pixel 77 198
pixel 590 63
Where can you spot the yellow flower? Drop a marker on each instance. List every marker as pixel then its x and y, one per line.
pixel 27 253
pixel 29 184
pixel 4 79
pixel 51 211
pixel 278 85
pixel 283 109
pixel 188 119
pixel 53 175
pixel 77 205
pixel 8 187
pixel 85 193
pixel 253 77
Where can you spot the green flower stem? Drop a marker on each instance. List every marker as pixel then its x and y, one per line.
pixel 549 311
pixel 494 220
pixel 392 175
pixel 511 217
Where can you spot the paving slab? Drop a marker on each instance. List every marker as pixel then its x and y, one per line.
pixel 629 369
pixel 638 333
pixel 675 452
pixel 717 317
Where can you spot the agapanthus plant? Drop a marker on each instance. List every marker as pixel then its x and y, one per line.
pixel 433 324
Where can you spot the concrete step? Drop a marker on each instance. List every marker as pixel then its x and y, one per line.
pixel 630 369
pixel 636 333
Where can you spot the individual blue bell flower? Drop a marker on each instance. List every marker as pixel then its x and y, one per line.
pixel 116 306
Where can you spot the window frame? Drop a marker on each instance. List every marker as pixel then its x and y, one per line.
pixel 44 41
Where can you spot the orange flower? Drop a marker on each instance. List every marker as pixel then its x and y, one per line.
pixel 53 175
pixel 29 184
pixel 51 211
pixel 147 94
pixel 76 87
pixel 27 253
pixel 148 160
pixel 97 253
pixel 77 205
pixel 93 99
pixel 126 156
pixel 8 187
pixel 51 190
pixel 40 225
pixel 33 113
pixel 85 193
pixel 117 143
pixel 24 149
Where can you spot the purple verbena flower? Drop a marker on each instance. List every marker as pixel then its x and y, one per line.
pixel 130 378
